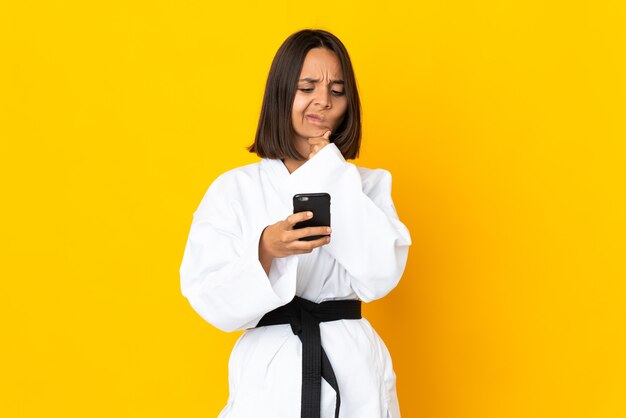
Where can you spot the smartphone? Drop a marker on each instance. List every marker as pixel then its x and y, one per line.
pixel 319 204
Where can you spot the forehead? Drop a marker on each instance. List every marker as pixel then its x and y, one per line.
pixel 321 61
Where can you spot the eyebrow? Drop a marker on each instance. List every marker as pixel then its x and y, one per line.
pixel 315 80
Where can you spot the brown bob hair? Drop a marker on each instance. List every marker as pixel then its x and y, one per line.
pixel 275 133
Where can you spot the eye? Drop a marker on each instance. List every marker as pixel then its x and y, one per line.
pixel 334 92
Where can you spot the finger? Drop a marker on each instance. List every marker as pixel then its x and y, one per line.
pixel 317 140
pixel 307 246
pixel 320 142
pixel 298 217
pixel 309 231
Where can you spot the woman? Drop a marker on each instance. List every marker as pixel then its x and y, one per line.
pixel 245 267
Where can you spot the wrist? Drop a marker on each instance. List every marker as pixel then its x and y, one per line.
pixel 264 251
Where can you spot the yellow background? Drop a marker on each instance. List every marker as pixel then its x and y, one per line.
pixel 502 122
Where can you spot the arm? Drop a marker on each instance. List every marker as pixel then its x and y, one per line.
pixel 221 274
pixel 368 239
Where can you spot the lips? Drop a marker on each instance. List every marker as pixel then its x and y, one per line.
pixel 315 118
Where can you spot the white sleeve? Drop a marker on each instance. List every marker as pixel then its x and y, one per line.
pixel 221 275
pixel 368 239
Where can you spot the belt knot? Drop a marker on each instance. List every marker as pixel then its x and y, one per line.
pixel 304 318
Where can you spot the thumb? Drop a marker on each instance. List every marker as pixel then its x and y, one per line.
pixel 327 135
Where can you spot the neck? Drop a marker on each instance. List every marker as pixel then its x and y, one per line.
pixel 292 165
pixel 303 147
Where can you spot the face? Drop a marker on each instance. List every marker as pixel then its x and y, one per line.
pixel 320 101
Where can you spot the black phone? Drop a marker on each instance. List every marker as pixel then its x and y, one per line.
pixel 319 204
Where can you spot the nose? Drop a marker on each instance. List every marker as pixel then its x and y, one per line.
pixel 323 98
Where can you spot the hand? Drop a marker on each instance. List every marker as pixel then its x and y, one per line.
pixel 317 143
pixel 280 239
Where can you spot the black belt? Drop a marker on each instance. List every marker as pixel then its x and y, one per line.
pixel 304 317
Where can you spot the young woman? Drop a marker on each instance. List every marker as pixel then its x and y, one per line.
pixel 306 351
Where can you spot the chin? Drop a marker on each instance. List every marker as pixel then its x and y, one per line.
pixel 318 131
pixel 312 132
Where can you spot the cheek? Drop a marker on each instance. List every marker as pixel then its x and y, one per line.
pixel 298 108
pixel 341 111
pixel 297 114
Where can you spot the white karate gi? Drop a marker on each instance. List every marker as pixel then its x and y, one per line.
pixel 224 281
